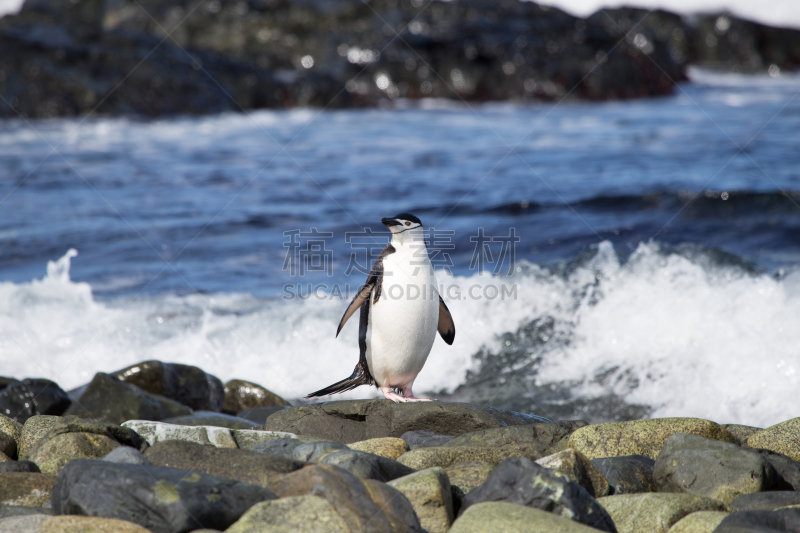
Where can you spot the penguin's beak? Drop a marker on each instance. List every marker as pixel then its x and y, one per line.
pixel 389 222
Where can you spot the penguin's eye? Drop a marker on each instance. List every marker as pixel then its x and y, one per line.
pixel 408 223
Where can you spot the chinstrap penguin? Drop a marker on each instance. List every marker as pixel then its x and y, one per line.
pixel 401 311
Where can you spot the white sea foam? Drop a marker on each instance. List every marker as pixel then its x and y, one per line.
pixel 699 339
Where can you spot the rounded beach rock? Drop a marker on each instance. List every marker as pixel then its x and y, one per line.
pixel 699 522
pixel 654 512
pixel 297 514
pixel 711 468
pixel 782 438
pixel 430 496
pixel 241 395
pixel 389 447
pixel 511 518
pixel 640 437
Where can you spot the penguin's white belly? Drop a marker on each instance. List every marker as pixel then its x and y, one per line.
pixel 402 327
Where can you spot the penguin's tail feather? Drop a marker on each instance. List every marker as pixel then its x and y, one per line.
pixel 359 377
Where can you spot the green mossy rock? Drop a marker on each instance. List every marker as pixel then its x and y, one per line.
pixel 52 453
pixel 34 430
pixel 711 468
pixel 699 522
pixel 468 475
pixel 511 518
pixel 444 456
pixel 654 512
pixel 389 447
pixel 27 489
pixel 10 435
pixel 430 495
pixel 782 438
pixel 298 514
pixel 579 469
pixel 640 437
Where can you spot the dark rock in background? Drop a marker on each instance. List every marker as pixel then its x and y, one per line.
pixel 241 395
pixel 523 482
pixel 187 385
pixel 20 400
pixel 163 500
pixel 21 510
pixel 109 399
pixel 787 470
pixel 151 57
pixel 628 474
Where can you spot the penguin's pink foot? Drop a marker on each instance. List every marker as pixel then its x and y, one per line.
pixel 390 394
pixel 408 396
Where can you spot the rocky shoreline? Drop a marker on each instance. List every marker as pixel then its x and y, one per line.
pixel 153 58
pixel 168 448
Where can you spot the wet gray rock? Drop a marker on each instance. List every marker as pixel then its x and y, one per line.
pixel 780 520
pixel 356 420
pixel 521 481
pixel 242 465
pixel 20 400
pixel 127 455
pixel 163 500
pixel 187 385
pixel 212 418
pixel 711 468
pixel 366 465
pixel 765 501
pixel 313 452
pixel 109 399
pixel 19 466
pixel 425 439
pixel 259 415
pixel 283 447
pixel 627 474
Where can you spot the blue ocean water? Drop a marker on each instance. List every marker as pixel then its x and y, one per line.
pixel 663 225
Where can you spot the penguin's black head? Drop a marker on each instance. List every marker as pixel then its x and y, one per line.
pixel 401 222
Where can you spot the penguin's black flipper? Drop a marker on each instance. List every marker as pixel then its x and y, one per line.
pixel 446 326
pixel 360 376
pixel 361 297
